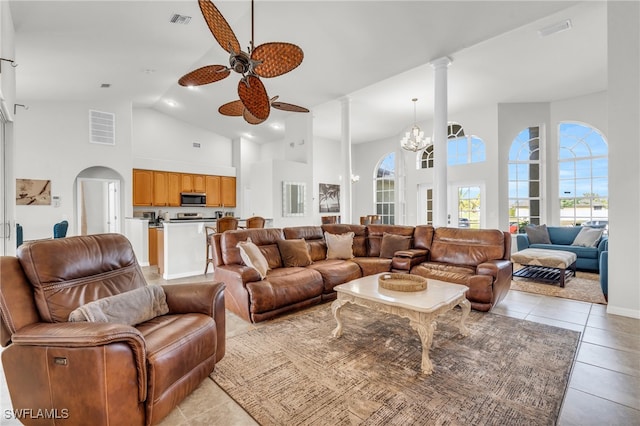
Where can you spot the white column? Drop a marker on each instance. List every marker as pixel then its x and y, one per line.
pixel 440 208
pixel 345 146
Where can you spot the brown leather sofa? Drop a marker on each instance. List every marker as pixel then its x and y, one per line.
pixel 101 373
pixel 477 258
pixel 287 289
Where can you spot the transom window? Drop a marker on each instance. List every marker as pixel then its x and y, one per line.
pixel 583 175
pixel 524 180
pixel 385 188
pixel 461 149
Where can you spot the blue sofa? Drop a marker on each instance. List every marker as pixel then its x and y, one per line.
pixel 561 238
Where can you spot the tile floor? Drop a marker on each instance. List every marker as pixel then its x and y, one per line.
pixel 604 387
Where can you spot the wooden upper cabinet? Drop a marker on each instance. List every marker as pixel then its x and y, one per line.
pixel 199 183
pixel 228 191
pixel 212 189
pixel 174 182
pixel 142 187
pixel 187 183
pixel 160 188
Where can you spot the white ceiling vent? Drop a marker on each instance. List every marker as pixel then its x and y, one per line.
pixel 180 19
pixel 102 127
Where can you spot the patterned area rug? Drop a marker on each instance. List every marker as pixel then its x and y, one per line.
pixel 585 286
pixel 290 371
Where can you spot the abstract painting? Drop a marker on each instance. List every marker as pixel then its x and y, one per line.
pixel 329 198
pixel 33 192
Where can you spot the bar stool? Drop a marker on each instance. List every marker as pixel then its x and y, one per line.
pixel 255 222
pixel 208 232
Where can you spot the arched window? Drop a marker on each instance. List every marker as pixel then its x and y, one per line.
pixel 385 188
pixel 583 175
pixel 461 149
pixel 524 179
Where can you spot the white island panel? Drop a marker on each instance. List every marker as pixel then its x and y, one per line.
pixel 137 231
pixel 184 249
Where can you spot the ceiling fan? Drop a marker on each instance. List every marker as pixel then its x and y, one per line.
pixel 237 109
pixel 267 60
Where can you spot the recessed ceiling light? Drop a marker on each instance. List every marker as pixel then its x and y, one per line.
pixel 247 135
pixel 555 28
pixel 276 126
pixel 191 87
pixel 170 102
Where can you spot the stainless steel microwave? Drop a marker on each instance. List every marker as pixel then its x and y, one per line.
pixel 193 199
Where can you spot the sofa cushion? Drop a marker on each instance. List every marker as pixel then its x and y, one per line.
pixel 537 234
pixel 335 271
pixel 359 239
pixel 445 272
pixel 373 265
pixel 253 257
pixel 131 307
pixel 313 235
pixel 392 243
pixel 294 253
pixel 283 287
pixel 588 237
pixel 467 246
pixel 339 246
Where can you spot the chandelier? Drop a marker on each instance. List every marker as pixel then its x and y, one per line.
pixel 414 140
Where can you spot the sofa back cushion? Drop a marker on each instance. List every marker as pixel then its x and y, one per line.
pixel 359 238
pixel 423 237
pixel 375 234
pixel 69 272
pixel 265 238
pixel 564 235
pixel 314 237
pixel 467 246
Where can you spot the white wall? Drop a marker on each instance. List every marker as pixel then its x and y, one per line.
pixel 52 142
pixel 161 142
pixel 623 100
pixel 327 168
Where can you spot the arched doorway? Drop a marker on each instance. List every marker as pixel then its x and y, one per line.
pixel 98 201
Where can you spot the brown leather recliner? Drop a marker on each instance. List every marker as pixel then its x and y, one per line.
pixel 100 373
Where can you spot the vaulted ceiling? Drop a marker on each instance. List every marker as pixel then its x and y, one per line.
pixel 377 53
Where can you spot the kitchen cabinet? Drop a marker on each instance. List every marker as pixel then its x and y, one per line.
pixel 160 189
pixel 193 183
pixel 174 180
pixel 228 191
pixel 212 189
pixel 142 187
pixel 153 246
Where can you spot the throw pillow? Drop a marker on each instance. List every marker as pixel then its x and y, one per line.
pixel 392 243
pixel 294 252
pixel 253 257
pixel 588 237
pixel 339 246
pixel 131 307
pixel 537 234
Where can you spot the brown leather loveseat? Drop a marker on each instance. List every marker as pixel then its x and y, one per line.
pixel 101 373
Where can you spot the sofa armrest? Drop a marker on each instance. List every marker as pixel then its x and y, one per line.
pixel 495 268
pixel 201 298
pixel 87 334
pixel 603 245
pixel 523 241
pixel 404 260
pixel 236 272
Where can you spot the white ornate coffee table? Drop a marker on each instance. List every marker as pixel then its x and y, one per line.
pixel 420 307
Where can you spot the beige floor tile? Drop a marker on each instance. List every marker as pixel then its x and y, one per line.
pixel 560 314
pixel 583 409
pixel 508 311
pixel 223 415
pixel 611 359
pixel 598 309
pixel 175 418
pixel 522 296
pixel 555 323
pixel 611 385
pixel 612 339
pixel 567 304
pixel 615 323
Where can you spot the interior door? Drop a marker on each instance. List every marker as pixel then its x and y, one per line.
pixel 5 231
pixel 113 206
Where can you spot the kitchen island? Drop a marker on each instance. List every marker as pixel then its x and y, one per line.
pixel 184 245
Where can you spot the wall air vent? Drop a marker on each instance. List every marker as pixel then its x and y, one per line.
pixel 102 127
pixel 180 19
pixel 196 144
